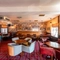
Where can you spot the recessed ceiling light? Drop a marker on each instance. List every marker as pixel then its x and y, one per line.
pixel 19 17
pixel 35 20
pixel 42 15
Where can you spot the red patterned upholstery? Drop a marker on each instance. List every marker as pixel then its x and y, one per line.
pixel 47 51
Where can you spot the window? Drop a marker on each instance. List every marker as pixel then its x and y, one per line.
pixel 54 31
pixel 4 30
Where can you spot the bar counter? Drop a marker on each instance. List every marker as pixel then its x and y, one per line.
pixel 29 32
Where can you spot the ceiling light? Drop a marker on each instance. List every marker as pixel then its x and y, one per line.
pixel 42 15
pixel 4 18
pixel 35 20
pixel 19 17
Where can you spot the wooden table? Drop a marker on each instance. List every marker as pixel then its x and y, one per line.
pixel 53 44
pixel 21 41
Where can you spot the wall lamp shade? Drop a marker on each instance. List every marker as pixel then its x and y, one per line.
pixel 9 25
pixel 4 18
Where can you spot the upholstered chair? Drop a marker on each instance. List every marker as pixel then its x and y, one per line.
pixel 14 49
pixel 28 39
pixel 29 49
pixel 15 38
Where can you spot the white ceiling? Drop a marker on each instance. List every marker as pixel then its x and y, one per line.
pixel 27 2
pixel 30 9
pixel 32 17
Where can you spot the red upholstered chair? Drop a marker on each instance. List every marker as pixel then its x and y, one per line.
pixel 57 54
pixel 48 52
pixel 37 50
pixel 44 39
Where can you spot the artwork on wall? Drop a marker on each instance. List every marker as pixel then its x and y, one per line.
pixel 30 26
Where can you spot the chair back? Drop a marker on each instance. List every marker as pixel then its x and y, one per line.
pixel 28 35
pixel 15 38
pixel 14 49
pixel 30 39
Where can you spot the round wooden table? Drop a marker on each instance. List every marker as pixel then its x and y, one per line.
pixel 53 44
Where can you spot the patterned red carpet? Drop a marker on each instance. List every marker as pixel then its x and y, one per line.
pixel 5 56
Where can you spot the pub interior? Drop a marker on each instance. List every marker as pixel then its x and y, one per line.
pixel 30 30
